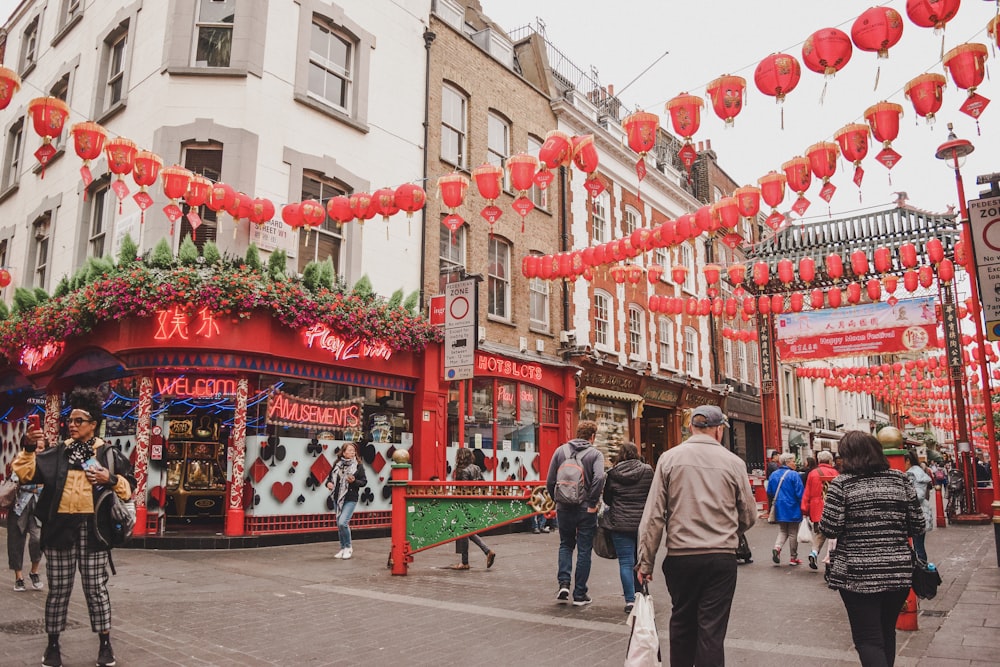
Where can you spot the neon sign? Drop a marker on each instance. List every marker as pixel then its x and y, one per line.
pixel 514 369
pixel 287 410
pixel 192 387
pixel 34 357
pixel 341 349
pixel 176 323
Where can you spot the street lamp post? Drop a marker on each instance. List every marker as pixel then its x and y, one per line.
pixel 954 151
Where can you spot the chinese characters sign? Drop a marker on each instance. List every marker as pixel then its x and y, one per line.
pixel 174 324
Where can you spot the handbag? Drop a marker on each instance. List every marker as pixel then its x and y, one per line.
pixel 603 545
pixel 805 531
pixel 772 514
pixel 643 642
pixel 8 494
pixel 926 579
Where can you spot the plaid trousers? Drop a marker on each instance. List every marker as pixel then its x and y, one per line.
pixel 61 566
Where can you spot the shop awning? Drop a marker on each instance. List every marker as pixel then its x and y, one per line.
pixel 598 392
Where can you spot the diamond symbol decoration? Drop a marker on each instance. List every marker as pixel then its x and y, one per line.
pixel 257 470
pixel 321 468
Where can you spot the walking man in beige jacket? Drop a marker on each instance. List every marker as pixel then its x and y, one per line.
pixel 701 498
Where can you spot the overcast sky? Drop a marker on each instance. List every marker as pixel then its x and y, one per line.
pixel 711 38
pixel 708 39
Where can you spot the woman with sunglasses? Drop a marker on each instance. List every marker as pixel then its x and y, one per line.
pixel 73 472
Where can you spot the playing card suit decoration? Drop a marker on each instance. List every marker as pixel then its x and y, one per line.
pixel 281 491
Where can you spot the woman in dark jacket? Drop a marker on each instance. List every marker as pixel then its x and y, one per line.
pixel 871 511
pixel 625 491
pixel 466 470
pixel 346 478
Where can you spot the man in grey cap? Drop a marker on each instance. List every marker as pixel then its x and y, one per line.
pixel 701 498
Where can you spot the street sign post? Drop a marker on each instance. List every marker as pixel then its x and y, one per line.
pixel 460 329
pixel 984 219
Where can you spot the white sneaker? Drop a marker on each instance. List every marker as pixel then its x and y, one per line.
pixel 347 553
pixel 340 554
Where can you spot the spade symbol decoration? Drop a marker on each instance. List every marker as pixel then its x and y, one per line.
pixel 301 499
pixel 368 452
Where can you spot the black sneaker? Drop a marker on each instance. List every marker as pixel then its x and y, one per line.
pixel 36 581
pixel 580 602
pixel 776 555
pixel 812 560
pixel 563 596
pixel 106 656
pixel 628 607
pixel 52 656
pixel 19 585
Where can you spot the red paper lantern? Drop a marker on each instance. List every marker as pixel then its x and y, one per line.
pixel 633 273
pixel 585 153
pixel 146 168
pixel 883 259
pixel 220 197
pixel 795 302
pixel 777 75
pixel 877 30
pixel 798 176
pixel 363 205
pixel 991 30
pixel 88 140
pixel 339 209
pixel 859 263
pixel 946 271
pixel 685 227
pixel 10 83
pixel 678 274
pixel 826 51
pixel 883 118
pixel 748 200
pixel 807 269
pixel 454 186
pixel 489 180
pixel 731 307
pixel 926 93
pixel 384 201
pixel 834 266
pixel 240 208
pixel 557 151
pixel 761 274
pixel 967 65
pixel 764 304
pixel 737 272
pixel 772 191
pixel 853 142
pixel 197 191
pixel 261 210
pixel 749 305
pixel 176 181
pixel 705 221
pixel 410 198
pixel 712 273
pixel 727 212
pixel 816 299
pixel 726 94
pixel 653 273
pixel 640 129
pixel 935 250
pixel 910 280
pixel 823 161
pixel 4 278
pixel 48 116
pixel 522 168
pixel 786 271
pixel 834 297
pixel 685 114
pixel 932 13
pixel 890 282
pixel 120 153
pixel 907 255
pixel 925 275
pixel 529 266
pixel 291 214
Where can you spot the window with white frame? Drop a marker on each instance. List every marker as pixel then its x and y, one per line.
pixel 665 334
pixel 41 231
pixel 102 215
pixel 12 154
pixel 602 318
pixel 741 361
pixel 790 401
pixel 539 197
pixel 635 332
pixel 454 119
pixel 327 240
pixel 70 10
pixel 599 218
pixel 451 261
pixel 662 257
pixel 213 43
pixel 630 221
pixel 687 260
pixel 29 45
pixel 499 272
pixel 727 351
pixel 498 142
pixel 331 64
pixel 117 50
pixel 691 352
pixel 538 295
pixel 753 373
pixel 3 252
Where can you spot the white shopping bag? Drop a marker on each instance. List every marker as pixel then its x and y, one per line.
pixel 805 531
pixel 643 643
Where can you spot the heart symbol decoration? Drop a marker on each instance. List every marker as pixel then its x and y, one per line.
pixel 281 491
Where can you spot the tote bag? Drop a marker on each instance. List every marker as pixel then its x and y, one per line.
pixel 643 643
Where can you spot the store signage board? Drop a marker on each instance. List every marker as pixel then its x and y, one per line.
pixel 460 330
pixel 984 218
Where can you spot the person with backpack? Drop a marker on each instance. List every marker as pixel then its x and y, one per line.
pixel 575 481
pixel 75 473
pixel 702 501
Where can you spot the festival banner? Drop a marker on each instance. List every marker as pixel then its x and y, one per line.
pixel 857 331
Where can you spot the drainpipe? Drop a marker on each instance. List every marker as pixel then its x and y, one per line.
pixel 564 242
pixel 428 40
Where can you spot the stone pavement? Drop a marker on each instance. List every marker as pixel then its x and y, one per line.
pixel 296 605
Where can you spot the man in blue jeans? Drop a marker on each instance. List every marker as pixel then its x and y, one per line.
pixel 577 520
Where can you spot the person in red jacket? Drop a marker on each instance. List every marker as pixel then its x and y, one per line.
pixel 813 499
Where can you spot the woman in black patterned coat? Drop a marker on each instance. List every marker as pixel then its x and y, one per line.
pixel 871 511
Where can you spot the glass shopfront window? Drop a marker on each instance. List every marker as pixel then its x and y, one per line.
pixel 612 426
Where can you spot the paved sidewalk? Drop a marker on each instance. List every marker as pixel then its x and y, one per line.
pixel 296 605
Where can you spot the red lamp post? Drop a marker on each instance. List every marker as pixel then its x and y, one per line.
pixel 954 151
